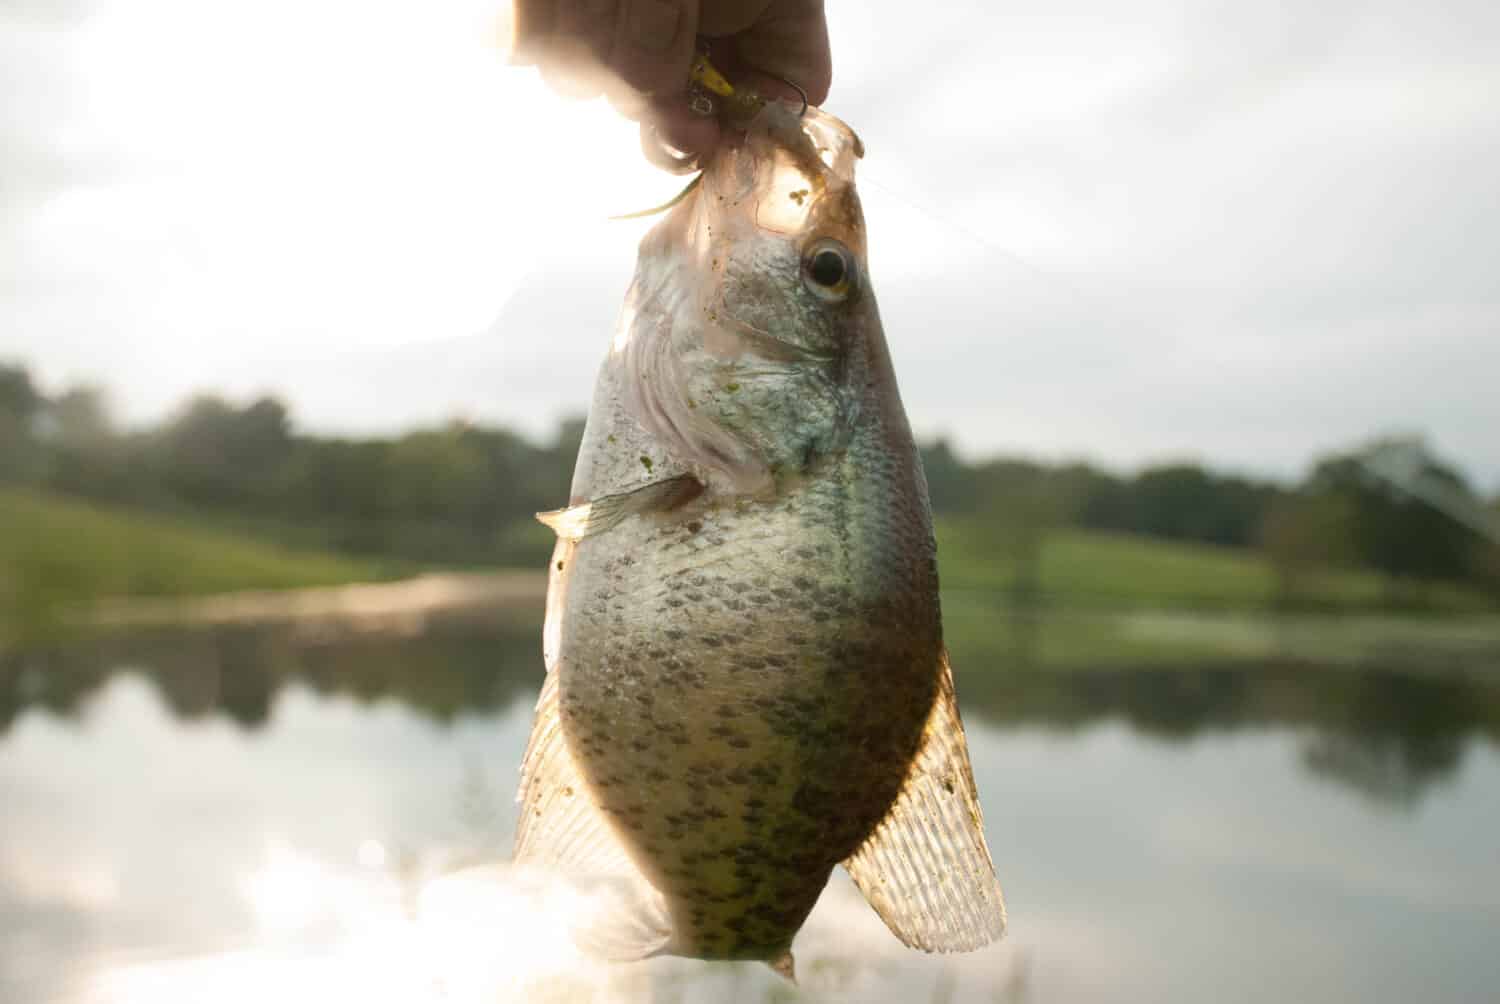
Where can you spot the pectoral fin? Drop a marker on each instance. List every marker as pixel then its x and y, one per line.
pixel 926 868
pixel 561 829
pixel 600 514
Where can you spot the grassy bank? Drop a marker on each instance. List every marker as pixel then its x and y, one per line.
pixel 59 555
pixel 1091 570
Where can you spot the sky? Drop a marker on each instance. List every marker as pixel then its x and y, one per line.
pixel 1244 233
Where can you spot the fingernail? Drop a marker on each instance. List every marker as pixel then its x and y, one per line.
pixel 653 24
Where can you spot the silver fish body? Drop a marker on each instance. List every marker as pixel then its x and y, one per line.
pixel 744 640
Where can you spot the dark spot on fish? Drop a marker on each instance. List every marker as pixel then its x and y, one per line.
pixel 559 566
pixel 694 526
pixel 646 462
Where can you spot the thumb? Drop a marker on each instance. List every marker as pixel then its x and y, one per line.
pixel 790 40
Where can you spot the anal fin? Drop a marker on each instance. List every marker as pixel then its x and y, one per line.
pixel 621 916
pixel 926 868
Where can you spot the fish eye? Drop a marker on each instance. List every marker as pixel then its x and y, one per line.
pixel 828 269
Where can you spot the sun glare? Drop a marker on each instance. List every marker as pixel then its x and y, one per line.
pixel 333 174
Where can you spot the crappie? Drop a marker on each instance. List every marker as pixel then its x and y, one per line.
pixel 746 680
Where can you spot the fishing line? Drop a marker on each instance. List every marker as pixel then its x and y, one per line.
pixel 984 243
pixel 940 219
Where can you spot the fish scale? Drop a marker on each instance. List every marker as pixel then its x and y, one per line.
pixel 741 650
pixel 747 681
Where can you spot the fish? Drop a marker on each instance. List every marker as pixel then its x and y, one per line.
pixel 746 682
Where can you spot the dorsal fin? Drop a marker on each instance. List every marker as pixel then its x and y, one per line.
pixel 926 868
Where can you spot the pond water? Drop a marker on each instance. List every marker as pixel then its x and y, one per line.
pixel 255 815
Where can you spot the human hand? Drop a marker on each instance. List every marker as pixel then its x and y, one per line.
pixel 638 54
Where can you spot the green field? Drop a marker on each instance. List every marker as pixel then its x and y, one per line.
pixel 1091 570
pixel 58 556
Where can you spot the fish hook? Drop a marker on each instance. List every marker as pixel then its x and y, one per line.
pixel 800 93
pixel 739 104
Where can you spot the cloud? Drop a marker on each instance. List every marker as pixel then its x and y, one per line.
pixel 1242 232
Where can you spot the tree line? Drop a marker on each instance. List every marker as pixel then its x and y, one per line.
pixel 464 493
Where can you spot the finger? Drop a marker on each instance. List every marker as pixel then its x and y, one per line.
pixel 570 68
pixel 628 102
pixel 654 44
pixel 665 155
pixel 680 128
pixel 530 24
pixel 790 40
pixel 583 33
pixel 729 17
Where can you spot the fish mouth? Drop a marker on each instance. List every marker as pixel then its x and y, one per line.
pixel 791 175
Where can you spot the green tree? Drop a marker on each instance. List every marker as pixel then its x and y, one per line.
pixel 1185 502
pixel 214 454
pixel 20 403
pixel 950 482
pixel 1392 531
pixel 79 417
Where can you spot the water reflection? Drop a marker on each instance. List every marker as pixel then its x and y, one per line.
pixel 240 813
pixel 1387 734
pixel 462 663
